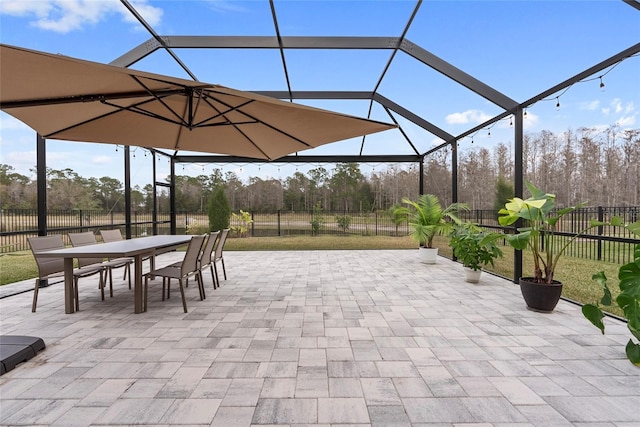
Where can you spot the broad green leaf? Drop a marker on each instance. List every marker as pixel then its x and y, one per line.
pixel 601 278
pixel 594 315
pixel 565 211
pixel 535 203
pixel 507 219
pixel 520 240
pixel 633 352
pixel 596 223
pixel 617 221
pixel 634 228
pixel 629 275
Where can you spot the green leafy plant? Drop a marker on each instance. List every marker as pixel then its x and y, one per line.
pixel 344 221
pixel 219 210
pixel 628 300
pixel 427 218
pixel 541 218
pixel 474 246
pixel 242 221
pixel 396 215
pixel 316 219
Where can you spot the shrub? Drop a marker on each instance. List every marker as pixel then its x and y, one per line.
pixel 219 210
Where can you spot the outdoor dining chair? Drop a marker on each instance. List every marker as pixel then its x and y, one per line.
pixel 219 255
pixel 88 238
pixel 206 257
pixel 54 267
pixel 116 236
pixel 188 268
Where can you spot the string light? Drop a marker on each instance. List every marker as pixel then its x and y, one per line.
pixel 489 133
pixel 510 121
pixel 557 103
pixel 525 113
pixel 601 84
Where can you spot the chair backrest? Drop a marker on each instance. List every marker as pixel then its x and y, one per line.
pixel 84 239
pixel 221 241
pixel 190 261
pixel 205 258
pixel 111 235
pixel 47 266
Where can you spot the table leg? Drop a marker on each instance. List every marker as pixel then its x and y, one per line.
pixel 69 294
pixel 137 287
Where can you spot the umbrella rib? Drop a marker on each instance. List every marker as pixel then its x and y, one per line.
pixel 186 92
pixel 262 122
pixel 202 123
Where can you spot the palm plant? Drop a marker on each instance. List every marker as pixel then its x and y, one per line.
pixel 427 218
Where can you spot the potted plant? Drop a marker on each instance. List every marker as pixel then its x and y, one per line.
pixel 474 247
pixel 427 219
pixel 541 291
pixel 628 299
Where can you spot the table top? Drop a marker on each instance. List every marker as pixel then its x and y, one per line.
pixel 121 248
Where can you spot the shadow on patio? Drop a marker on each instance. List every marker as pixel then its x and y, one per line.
pixel 318 337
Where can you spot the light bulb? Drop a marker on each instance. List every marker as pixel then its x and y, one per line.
pixel 557 103
pixel 601 84
pixel 525 114
pixel 489 133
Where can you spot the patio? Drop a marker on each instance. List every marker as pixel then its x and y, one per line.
pixel 318 338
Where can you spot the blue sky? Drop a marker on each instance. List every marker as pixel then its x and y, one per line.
pixel 520 48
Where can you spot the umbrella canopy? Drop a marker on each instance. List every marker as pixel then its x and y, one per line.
pixel 76 100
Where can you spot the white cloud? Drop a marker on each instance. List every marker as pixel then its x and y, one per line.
pixel 64 16
pixel 590 105
pixel 530 121
pixel 436 141
pixel 627 120
pixel 101 160
pixel 8 122
pixel 469 116
pixel 225 6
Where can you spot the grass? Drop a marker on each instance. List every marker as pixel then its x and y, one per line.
pixel 575 273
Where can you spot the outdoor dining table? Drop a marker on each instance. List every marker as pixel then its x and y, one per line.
pixel 136 248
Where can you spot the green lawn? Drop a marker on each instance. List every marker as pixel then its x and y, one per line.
pixel 575 273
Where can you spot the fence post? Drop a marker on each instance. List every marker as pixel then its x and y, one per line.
pixel 279 223
pixel 600 231
pixel 81 222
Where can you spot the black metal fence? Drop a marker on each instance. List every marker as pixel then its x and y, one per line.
pixel 610 244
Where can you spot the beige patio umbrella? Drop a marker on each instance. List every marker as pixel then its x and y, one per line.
pixel 76 100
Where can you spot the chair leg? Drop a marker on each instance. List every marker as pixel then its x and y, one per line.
pixel 213 277
pixel 200 281
pixel 217 279
pixel 184 301
pixel 35 296
pixel 164 287
pixel 101 286
pixel 127 269
pixel 224 270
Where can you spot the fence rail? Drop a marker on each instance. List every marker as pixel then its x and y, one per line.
pixel 610 244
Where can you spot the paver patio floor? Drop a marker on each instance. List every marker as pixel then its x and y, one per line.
pixel 329 338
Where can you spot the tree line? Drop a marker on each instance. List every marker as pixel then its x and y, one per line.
pixel 601 167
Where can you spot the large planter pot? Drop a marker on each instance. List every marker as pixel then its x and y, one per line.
pixel 428 255
pixel 471 275
pixel 539 296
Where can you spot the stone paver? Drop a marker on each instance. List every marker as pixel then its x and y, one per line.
pixel 318 338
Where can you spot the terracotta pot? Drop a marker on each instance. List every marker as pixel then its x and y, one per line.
pixel 540 296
